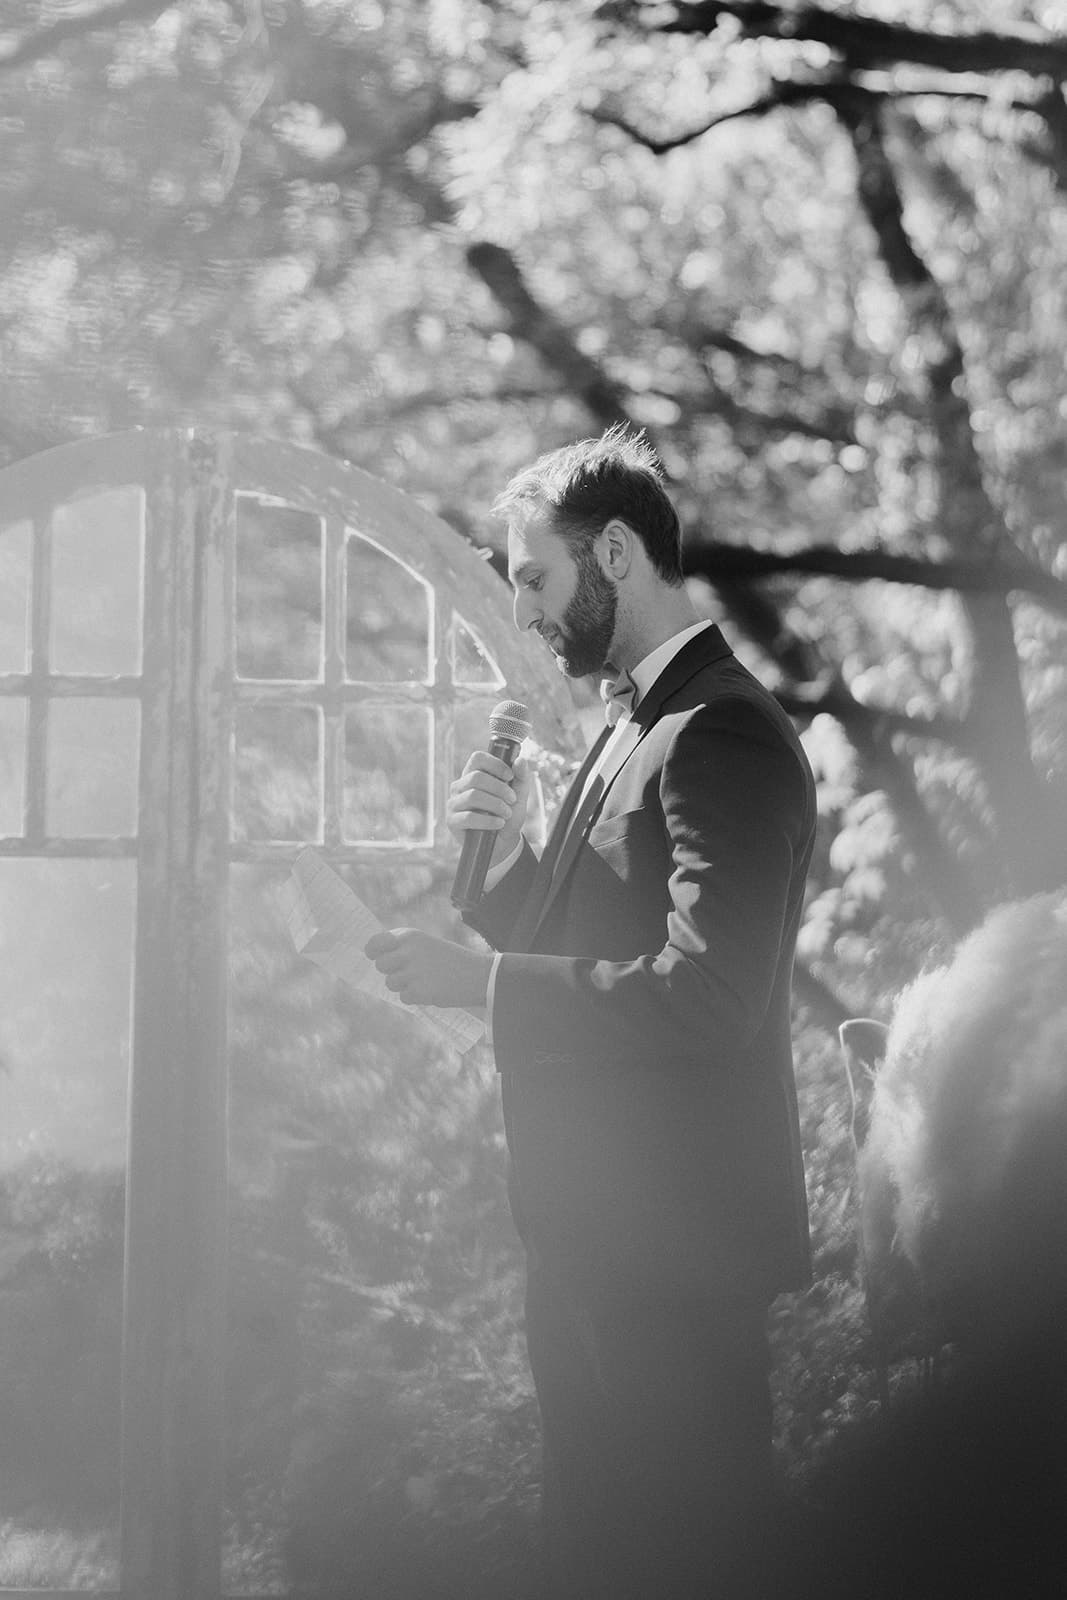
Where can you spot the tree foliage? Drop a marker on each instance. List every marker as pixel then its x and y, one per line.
pixel 785 241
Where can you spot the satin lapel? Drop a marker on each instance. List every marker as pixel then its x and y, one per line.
pixel 584 815
pixel 531 913
pixel 574 823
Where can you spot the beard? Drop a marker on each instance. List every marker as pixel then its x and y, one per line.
pixel 587 626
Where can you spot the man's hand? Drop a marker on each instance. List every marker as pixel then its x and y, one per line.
pixel 490 794
pixel 426 971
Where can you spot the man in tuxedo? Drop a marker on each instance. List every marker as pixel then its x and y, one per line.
pixel 639 1009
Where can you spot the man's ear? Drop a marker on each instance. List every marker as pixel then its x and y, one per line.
pixel 615 546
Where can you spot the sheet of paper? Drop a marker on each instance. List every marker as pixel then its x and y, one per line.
pixel 329 924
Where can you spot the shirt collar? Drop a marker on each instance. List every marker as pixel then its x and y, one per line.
pixel 648 670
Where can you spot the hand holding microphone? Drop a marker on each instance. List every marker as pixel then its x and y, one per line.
pixel 486 810
pixel 487 802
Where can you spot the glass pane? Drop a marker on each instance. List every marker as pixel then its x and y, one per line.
pixel 12 766
pixel 472 665
pixel 97 557
pixel 390 618
pixel 16 556
pixel 388 763
pixel 279 590
pixel 278 773
pixel 66 956
pixel 92 765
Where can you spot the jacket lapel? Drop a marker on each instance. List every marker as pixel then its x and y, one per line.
pixel 560 827
pixel 696 654
pixel 574 821
pixel 584 815
pixel 532 911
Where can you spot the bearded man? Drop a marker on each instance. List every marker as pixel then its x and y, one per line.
pixel 639 1003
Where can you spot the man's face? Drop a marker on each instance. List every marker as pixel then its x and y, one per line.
pixel 563 596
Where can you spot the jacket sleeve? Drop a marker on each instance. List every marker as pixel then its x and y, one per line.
pixel 495 915
pixel 735 806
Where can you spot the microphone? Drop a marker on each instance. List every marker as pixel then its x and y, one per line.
pixel 509 725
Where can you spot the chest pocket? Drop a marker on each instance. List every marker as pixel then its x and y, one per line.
pixel 621 879
pixel 635 837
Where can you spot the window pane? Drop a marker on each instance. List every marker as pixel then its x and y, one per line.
pixel 97 557
pixel 12 766
pixel 390 618
pixel 92 762
pixel 278 773
pixel 472 665
pixel 16 555
pixel 387 774
pixel 279 590
pixel 66 946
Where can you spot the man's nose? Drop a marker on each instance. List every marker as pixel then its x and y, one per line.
pixel 526 613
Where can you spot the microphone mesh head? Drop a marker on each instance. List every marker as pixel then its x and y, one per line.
pixel 510 720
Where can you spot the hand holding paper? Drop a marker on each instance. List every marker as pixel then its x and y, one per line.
pixel 429 971
pixel 330 925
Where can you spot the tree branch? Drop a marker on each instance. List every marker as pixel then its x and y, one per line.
pixel 837 412
pixel 537 327
pixel 1053 108
pixel 861 41
pixel 441 399
pixel 714 561
pixel 864 44
pixel 871 730
pixel 785 94
pixel 868 722
pixel 702 338
pixel 789 92
pixel 607 400
pixel 967 515
pixel 835 425
pixel 760 618
pixel 16 52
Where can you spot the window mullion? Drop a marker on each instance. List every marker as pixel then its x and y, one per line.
pixel 333 733
pixel 40 659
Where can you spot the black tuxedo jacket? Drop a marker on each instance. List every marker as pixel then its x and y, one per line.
pixel 641 1015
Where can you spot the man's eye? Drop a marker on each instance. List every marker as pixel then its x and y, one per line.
pixel 534 583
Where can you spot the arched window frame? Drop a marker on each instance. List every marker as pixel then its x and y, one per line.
pixel 188 692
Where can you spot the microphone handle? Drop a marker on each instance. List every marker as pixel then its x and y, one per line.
pixel 478 846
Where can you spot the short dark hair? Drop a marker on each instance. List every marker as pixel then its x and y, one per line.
pixel 587 483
